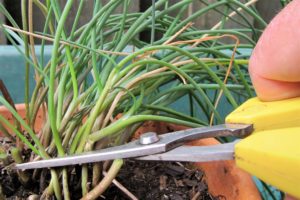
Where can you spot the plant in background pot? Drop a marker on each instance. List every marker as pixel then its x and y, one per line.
pixel 102 82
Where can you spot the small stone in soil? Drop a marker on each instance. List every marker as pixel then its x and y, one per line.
pixel 174 170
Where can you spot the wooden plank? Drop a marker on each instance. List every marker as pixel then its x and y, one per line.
pixel 84 17
pixel 87 11
pixel 2 20
pixel 268 9
pixel 209 19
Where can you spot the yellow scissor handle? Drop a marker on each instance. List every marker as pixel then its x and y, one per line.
pixel 274 157
pixel 267 115
pixel 273 153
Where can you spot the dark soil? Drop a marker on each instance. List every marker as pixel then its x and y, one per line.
pixel 12 188
pixel 144 179
pixel 161 181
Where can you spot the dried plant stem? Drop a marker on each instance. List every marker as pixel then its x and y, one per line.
pixel 226 75
pixel 152 73
pixel 128 86
pixel 196 196
pixel 134 82
pixel 173 37
pixel 197 41
pixel 231 15
pixel 128 75
pixel 122 188
pixel 106 181
pixel 62 41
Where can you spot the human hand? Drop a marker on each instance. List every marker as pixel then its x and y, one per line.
pixel 274 65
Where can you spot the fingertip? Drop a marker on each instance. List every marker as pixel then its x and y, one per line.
pixel 272 90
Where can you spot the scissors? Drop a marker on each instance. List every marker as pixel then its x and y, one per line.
pixel 269 150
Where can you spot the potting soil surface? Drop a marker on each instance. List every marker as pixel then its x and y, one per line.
pixel 160 180
pixel 146 180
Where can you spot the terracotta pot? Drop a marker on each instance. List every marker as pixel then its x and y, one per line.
pixel 223 178
pixel 22 112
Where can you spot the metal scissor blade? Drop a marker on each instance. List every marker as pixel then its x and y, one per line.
pixel 166 142
pixel 195 153
pixel 128 150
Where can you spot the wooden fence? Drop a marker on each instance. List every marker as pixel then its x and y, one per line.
pixel 267 8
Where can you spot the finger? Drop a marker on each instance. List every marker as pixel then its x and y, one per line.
pixel 271 90
pixel 277 53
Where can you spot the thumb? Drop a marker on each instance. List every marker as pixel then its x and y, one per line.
pixel 274 65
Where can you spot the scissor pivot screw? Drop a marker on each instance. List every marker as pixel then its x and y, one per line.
pixel 149 138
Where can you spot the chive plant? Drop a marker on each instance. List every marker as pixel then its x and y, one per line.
pixel 102 70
